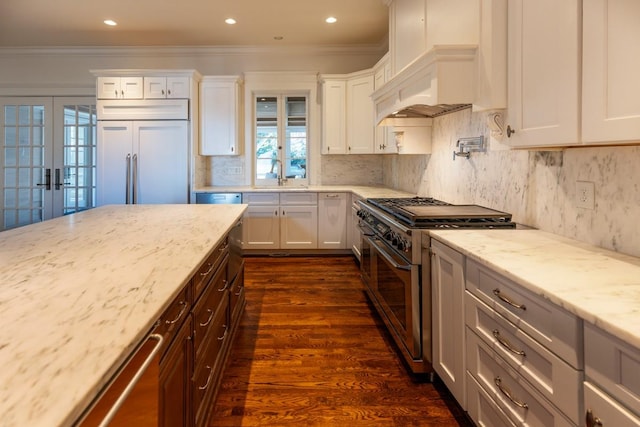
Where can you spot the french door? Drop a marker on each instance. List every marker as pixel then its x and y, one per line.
pixel 48 158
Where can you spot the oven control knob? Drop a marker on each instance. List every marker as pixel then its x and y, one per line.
pixel 388 235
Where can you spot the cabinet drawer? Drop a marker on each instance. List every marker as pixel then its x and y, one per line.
pixel 208 366
pixel 206 308
pixel 552 377
pixel 550 325
pixel 209 268
pixel 298 198
pixel 173 317
pixel 510 390
pixel 614 365
pixel 482 409
pixel 261 198
pixel 606 409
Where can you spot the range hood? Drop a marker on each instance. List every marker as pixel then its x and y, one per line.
pixel 438 82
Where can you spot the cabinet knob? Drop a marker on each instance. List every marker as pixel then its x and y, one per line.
pixel 510 131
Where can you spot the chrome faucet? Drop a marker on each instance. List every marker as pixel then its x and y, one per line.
pixel 281 179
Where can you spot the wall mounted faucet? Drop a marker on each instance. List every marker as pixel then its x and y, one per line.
pixel 468 145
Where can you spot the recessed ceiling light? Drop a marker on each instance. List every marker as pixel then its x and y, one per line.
pixel 278 37
pixel 331 20
pixel 110 22
pixel 230 21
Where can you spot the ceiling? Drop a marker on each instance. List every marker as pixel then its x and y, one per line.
pixel 60 23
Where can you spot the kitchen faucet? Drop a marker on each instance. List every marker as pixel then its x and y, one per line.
pixel 281 179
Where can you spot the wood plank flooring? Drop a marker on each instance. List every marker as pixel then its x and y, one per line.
pixel 310 351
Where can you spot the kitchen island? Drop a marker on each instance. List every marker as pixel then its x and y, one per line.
pixel 80 292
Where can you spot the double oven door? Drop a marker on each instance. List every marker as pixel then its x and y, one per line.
pixel 393 284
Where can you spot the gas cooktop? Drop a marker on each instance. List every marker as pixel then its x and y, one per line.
pixel 427 212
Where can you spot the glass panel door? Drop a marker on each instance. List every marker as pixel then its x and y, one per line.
pixel 26 169
pixel 48 157
pixel 74 174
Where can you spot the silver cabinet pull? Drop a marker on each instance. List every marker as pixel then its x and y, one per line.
pixel 506 344
pixel 135 179
pixel 223 335
pixel 204 387
pixel 592 420
pixel 508 300
pixel 208 271
pixel 224 288
pixel 127 188
pixel 184 308
pixel 209 319
pixel 507 393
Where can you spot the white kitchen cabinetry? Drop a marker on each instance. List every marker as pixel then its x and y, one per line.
pixel 220 116
pixel 158 87
pixel 360 119
pixel 143 162
pixel 281 221
pixel 334 112
pixel 612 383
pixel 348 121
pixel 384 142
pixel 332 221
pixel 522 350
pixel 448 330
pixel 120 88
pixel 610 63
pixel 544 73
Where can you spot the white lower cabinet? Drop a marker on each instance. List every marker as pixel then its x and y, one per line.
pixel 332 221
pixel 280 221
pixel 447 271
pixel 481 407
pixel 604 411
pixel 612 386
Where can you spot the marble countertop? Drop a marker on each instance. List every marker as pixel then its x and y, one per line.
pixel 600 286
pixel 78 293
pixel 362 191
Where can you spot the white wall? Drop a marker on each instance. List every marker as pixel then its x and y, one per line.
pixel 537 187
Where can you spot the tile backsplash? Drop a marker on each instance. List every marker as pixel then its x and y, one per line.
pixel 537 187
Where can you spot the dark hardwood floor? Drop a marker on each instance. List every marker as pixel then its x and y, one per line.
pixel 310 351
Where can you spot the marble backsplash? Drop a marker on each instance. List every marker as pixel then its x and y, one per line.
pixel 537 187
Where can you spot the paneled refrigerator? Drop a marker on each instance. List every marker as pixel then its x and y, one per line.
pixel 144 160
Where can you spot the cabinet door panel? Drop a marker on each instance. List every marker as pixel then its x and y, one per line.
pixel 334 126
pixel 332 221
pixel 218 118
pixel 175 381
pixel 360 135
pixel 543 48
pixel 606 409
pixel 261 227
pixel 115 143
pixel 610 71
pixel 299 227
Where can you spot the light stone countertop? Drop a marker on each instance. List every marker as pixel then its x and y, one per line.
pixel 78 293
pixel 362 191
pixel 600 286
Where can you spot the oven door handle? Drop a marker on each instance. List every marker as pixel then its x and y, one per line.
pixel 388 257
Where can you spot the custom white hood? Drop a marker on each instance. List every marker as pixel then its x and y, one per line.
pixel 438 82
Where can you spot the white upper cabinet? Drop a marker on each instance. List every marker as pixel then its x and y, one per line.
pixel 360 119
pixel 544 73
pixel 334 126
pixel 166 87
pixel 384 138
pixel 407 32
pixel 347 113
pixel 610 63
pixel 119 88
pixel 219 116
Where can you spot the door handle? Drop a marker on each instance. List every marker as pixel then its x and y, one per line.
pixel 135 179
pixel 47 180
pixel 58 183
pixel 127 188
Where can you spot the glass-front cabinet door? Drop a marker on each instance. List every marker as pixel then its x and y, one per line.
pixel 47 153
pixel 281 140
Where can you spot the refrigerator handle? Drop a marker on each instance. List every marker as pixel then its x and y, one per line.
pixel 135 179
pixel 127 189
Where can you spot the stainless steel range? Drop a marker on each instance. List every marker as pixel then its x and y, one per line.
pixel 397 282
